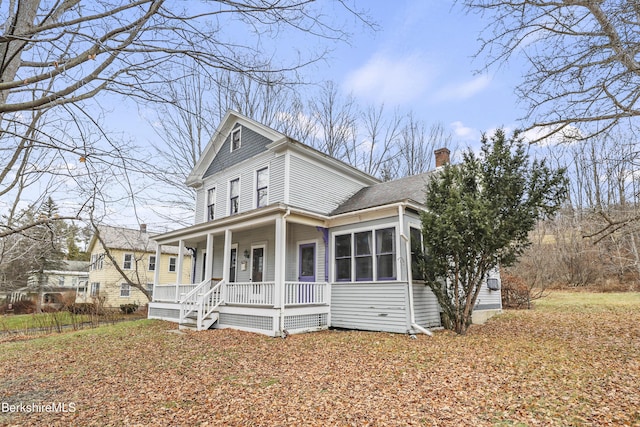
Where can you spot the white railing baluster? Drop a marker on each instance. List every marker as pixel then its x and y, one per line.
pixel 305 293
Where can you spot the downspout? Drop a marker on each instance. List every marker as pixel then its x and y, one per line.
pixel 407 242
pixel 282 289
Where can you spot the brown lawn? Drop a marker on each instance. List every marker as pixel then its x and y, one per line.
pixel 574 360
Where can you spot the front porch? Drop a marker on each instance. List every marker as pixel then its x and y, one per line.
pixel 250 306
pixel 263 272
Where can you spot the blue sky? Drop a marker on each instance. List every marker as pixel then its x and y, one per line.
pixel 421 59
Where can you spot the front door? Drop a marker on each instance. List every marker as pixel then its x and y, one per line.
pixel 233 262
pixel 257 263
pixel 307 262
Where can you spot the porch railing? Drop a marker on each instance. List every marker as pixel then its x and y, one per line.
pixel 172 293
pixel 251 293
pixel 305 293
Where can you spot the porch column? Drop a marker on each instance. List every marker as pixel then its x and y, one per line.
pixel 280 264
pixel 208 269
pixel 180 262
pixel 156 272
pixel 226 261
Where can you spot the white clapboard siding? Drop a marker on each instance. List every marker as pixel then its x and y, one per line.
pixel 317 188
pixel 276 180
pixel 488 299
pixel 426 308
pixel 372 307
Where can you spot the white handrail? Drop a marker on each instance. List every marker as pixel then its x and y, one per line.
pixel 210 302
pixel 190 302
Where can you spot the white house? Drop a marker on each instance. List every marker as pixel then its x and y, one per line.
pixel 289 239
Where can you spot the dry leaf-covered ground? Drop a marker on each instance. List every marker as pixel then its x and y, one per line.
pixel 574 360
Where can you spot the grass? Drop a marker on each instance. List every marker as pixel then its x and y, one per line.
pixel 42 320
pixel 573 360
pixel 579 301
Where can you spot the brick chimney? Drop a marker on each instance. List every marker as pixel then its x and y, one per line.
pixel 143 228
pixel 442 156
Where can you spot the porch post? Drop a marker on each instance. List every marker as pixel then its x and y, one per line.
pixel 180 261
pixel 280 265
pixel 208 269
pixel 226 261
pixel 156 272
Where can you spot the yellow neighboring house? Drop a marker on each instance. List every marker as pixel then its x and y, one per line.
pixel 135 254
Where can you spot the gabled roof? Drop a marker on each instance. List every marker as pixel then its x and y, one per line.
pixel 128 239
pixel 410 188
pixel 217 140
pixel 70 265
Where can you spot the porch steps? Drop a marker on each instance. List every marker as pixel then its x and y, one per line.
pixel 191 322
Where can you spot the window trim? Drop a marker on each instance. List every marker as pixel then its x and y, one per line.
pixel 258 189
pixel 125 287
pixel 236 131
pixel 173 261
pixel 124 261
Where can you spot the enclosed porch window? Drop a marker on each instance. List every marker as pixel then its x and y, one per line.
pixel 355 254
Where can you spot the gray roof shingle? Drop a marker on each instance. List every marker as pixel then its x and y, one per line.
pixel 408 188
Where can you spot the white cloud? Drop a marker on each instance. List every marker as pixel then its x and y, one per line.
pixel 391 80
pixel 464 132
pixel 464 90
pixel 545 136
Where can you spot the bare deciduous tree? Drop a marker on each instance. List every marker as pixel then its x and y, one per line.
pixel 582 57
pixel 61 62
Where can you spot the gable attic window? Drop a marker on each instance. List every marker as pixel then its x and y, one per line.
pixel 211 204
pixel 235 139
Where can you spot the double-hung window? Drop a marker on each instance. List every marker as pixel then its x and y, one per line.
pixel 364 255
pixel 125 290
pixel 95 289
pixel 234 196
pixel 416 252
pixel 262 187
pixel 152 263
pixel 128 262
pixel 343 257
pixel 96 261
pixel 172 264
pixel 211 204
pixel 386 253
